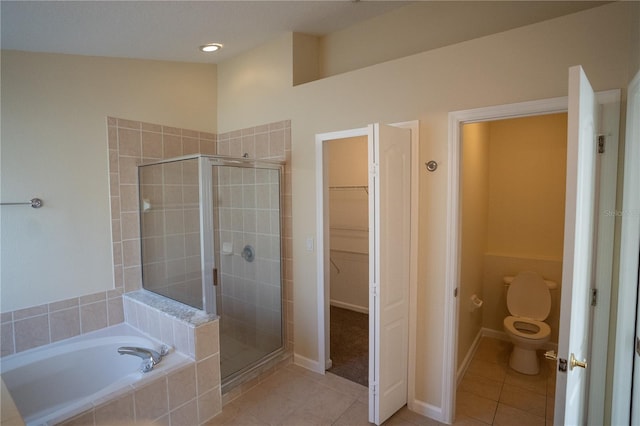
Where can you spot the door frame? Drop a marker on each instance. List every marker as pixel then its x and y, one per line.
pixel 322 232
pixel 628 275
pixel 452 303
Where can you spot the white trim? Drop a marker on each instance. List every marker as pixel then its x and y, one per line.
pixel 374 273
pixel 307 363
pixel 609 125
pixel 349 306
pixel 467 359
pixel 501 112
pixel 425 409
pixel 456 120
pixel 628 276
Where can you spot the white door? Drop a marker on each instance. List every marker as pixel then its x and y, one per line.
pixel 635 394
pixel 625 400
pixel 389 255
pixel 577 273
pixel 631 227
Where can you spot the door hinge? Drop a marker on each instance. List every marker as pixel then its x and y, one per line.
pixel 455 292
pixel 215 276
pixel 638 345
pixel 374 388
pixel 601 141
pixel 374 289
pixel 373 169
pixel 594 296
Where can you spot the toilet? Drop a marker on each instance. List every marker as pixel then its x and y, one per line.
pixel 529 303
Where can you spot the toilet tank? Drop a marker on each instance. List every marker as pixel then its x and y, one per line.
pixel 508 279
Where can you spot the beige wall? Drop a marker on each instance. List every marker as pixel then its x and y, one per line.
pixel 522 64
pixel 423 26
pixel 348 162
pixel 473 245
pixel 527 186
pixel 349 223
pixel 634 52
pixel 54 146
pixel 253 88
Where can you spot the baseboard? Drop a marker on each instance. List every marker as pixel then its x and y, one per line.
pixel 349 306
pixel 426 410
pixel 495 334
pixel 468 357
pixel 307 363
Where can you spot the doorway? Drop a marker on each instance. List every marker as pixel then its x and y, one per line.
pixel 608 103
pixel 392 211
pixel 512 221
pixel 349 258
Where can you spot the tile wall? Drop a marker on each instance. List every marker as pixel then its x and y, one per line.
pixel 170 222
pixel 267 142
pixel 130 143
pixel 249 215
pixel 40 325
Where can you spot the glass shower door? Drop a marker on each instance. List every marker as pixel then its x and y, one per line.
pixel 247 226
pixel 170 231
pixel 210 238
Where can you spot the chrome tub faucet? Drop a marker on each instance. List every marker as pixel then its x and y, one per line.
pixel 149 357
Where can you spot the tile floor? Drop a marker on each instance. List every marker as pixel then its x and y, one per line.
pixel 494 394
pixel 298 397
pixel 490 393
pixel 235 355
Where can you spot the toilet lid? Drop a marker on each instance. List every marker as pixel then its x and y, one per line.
pixel 528 297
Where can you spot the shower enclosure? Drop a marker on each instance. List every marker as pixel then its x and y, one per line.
pixel 210 238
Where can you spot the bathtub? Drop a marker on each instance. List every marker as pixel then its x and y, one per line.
pixel 55 382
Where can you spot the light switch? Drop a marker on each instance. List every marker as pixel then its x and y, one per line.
pixel 309 243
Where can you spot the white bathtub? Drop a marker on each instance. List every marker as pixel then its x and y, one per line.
pixel 54 382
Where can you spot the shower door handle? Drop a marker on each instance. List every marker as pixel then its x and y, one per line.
pixel 215 276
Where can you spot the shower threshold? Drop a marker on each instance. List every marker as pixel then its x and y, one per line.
pixel 263 367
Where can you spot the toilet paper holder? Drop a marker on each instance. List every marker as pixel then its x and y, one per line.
pixel 476 302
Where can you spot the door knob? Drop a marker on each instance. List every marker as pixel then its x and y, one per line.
pixel 573 362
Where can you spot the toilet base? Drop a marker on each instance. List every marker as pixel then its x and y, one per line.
pixel 524 361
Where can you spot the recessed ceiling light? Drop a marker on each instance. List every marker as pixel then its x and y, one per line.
pixel 210 47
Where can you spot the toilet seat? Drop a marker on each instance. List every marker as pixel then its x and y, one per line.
pixel 544 330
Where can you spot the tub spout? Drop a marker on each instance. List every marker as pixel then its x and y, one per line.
pixel 149 356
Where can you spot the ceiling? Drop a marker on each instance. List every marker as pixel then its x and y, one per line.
pixel 173 30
